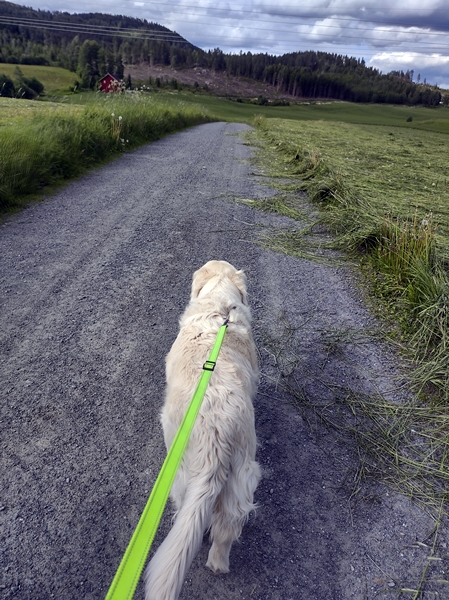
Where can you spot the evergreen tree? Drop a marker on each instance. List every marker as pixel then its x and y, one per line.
pixel 88 63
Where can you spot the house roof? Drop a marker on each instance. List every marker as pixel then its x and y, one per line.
pixel 109 75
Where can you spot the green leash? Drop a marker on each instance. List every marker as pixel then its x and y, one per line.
pixel 127 576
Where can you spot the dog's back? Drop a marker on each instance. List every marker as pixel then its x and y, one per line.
pixel 218 476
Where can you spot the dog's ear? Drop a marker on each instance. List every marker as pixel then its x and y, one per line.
pixel 199 280
pixel 239 279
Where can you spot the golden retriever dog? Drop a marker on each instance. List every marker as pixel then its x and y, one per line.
pixel 214 486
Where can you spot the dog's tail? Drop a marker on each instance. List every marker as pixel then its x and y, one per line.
pixel 167 569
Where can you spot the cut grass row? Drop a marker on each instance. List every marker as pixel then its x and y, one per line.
pixel 46 143
pixel 384 194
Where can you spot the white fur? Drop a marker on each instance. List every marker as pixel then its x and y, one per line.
pixel 218 475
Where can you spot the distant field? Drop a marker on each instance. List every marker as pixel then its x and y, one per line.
pixel 430 119
pixel 56 80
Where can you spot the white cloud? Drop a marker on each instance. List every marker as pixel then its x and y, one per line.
pixel 432 67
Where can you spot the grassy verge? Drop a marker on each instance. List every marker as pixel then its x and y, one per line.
pixel 384 195
pixel 45 143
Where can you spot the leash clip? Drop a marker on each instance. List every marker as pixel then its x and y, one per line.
pixel 209 365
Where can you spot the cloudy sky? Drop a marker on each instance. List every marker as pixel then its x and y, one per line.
pixel 389 35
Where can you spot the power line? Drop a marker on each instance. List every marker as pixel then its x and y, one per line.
pixel 96 29
pixel 253 13
pixel 174 37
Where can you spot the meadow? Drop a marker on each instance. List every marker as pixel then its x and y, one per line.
pixel 369 114
pixel 57 81
pixel 396 170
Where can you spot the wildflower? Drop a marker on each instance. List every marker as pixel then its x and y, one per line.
pixel 112 115
pixel 120 118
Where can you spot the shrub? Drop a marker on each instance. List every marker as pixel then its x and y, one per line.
pixel 25 92
pixel 34 84
pixel 7 88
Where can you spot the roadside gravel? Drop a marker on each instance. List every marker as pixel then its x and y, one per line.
pixel 92 283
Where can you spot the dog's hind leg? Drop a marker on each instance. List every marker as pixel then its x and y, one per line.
pixel 231 511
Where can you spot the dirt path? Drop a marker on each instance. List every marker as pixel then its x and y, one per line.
pixel 92 283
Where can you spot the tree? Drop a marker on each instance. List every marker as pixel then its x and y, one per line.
pixel 218 62
pixel 88 63
pixel 119 67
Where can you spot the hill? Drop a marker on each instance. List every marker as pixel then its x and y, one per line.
pixel 90 44
pixel 93 44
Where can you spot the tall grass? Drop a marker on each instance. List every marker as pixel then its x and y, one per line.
pixel 404 250
pixel 51 146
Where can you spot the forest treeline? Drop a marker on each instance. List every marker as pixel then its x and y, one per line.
pixel 94 44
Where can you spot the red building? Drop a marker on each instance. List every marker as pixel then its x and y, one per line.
pixel 109 83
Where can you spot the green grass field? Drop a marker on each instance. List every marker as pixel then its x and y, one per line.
pixel 369 114
pixel 13 112
pixel 396 170
pixel 56 81
pixel 427 119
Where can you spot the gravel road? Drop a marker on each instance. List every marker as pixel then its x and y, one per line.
pixel 92 281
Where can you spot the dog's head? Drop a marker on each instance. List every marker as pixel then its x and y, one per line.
pixel 214 271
